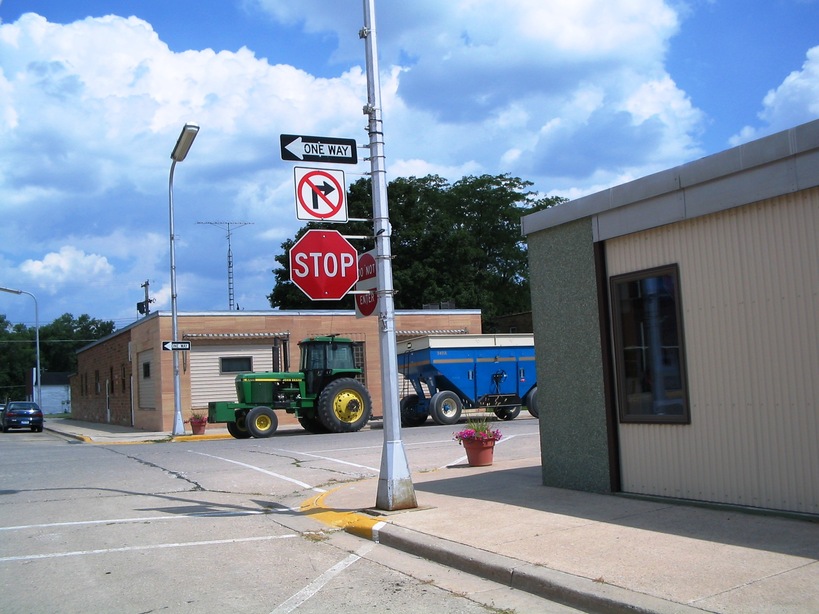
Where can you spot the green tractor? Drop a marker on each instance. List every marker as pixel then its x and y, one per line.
pixel 324 394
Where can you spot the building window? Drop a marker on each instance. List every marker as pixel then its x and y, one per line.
pixel 648 346
pixel 146 370
pixel 97 382
pixel 236 364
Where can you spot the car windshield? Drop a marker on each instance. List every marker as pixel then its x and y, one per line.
pixel 23 406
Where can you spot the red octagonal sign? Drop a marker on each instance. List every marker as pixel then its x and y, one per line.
pixel 323 265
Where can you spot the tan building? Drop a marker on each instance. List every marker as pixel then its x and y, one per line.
pixel 127 378
pixel 676 322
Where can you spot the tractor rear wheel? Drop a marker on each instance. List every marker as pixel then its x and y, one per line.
pixel 344 406
pixel 445 407
pixel 262 422
pixel 312 424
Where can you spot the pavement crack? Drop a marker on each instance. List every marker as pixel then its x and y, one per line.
pixel 176 474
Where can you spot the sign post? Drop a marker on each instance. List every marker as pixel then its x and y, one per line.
pixel 395 488
pixel 323 265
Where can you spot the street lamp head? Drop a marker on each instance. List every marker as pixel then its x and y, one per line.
pixel 184 142
pixel 10 290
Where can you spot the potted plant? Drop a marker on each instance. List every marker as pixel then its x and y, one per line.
pixel 198 422
pixel 478 439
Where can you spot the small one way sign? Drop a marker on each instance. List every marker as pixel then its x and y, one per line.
pixel 300 148
pixel 176 346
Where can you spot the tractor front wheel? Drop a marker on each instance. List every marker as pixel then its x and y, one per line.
pixel 262 422
pixel 239 431
pixel 344 406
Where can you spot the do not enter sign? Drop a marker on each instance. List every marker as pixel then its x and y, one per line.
pixel 366 303
pixel 323 265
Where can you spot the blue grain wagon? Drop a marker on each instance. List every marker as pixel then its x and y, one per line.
pixel 491 372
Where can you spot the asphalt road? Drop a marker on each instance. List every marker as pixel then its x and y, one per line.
pixel 206 526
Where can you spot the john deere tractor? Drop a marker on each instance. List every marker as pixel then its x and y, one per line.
pixel 324 394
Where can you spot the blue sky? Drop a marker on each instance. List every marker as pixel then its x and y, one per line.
pixel 572 96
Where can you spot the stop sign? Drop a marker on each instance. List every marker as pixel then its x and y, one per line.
pixel 323 265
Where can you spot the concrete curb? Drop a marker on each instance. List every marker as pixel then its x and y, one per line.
pixel 550 584
pixel 558 586
pixel 163 439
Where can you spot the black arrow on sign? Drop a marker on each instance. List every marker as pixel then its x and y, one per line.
pixel 324 189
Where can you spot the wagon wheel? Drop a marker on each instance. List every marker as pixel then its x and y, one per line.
pixel 531 402
pixel 344 406
pixel 508 413
pixel 445 407
pixel 262 422
pixel 410 416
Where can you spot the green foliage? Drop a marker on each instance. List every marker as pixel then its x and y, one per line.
pixel 59 342
pixel 451 243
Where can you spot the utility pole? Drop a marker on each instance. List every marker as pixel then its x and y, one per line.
pixel 144 307
pixel 226 226
pixel 395 488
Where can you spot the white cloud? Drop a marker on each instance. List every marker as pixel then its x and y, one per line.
pixel 794 102
pixel 68 265
pixel 573 96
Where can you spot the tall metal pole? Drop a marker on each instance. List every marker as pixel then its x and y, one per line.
pixel 180 150
pixel 178 423
pixel 395 488
pixel 38 373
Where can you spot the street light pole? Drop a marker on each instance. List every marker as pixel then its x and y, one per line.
pixel 180 150
pixel 36 340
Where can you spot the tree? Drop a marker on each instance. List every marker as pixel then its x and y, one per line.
pixel 459 244
pixel 59 342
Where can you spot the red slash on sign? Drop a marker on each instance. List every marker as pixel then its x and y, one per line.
pixel 320 195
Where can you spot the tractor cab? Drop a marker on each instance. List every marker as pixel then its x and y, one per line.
pixel 324 359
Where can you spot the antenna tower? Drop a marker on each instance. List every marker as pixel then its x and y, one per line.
pixel 227 226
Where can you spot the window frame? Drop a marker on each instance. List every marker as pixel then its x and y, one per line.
pixel 619 357
pixel 223 371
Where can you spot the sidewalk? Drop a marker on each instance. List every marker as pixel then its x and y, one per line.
pixel 602 553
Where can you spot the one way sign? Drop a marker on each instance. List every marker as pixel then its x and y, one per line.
pixel 300 148
pixel 174 346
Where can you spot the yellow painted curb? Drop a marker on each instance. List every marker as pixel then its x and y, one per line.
pixel 352 522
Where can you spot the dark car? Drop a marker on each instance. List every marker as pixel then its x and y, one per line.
pixel 21 415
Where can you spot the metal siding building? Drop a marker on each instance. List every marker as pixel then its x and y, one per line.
pixel 741 227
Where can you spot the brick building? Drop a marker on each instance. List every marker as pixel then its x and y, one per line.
pixel 127 378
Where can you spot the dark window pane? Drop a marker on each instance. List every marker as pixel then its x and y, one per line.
pixel 649 351
pixel 236 364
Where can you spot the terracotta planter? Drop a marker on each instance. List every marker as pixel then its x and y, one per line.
pixel 198 428
pixel 479 453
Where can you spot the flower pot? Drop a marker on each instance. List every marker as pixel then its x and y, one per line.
pixel 479 453
pixel 198 428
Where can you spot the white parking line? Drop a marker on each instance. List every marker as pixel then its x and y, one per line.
pixel 332 460
pixel 57 555
pixel 265 471
pixel 316 585
pixel 132 520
